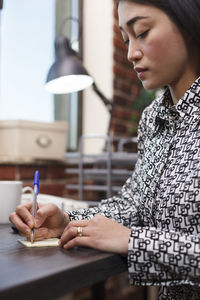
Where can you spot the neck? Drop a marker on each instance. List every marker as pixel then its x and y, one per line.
pixel 189 75
pixel 178 90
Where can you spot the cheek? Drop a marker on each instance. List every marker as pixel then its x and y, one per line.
pixel 158 51
pixel 166 51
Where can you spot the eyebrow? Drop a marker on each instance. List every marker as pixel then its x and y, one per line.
pixel 134 20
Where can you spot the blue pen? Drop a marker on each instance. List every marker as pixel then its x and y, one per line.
pixel 35 193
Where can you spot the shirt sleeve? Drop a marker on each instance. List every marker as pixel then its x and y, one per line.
pixel 124 207
pixel 156 256
pixel 121 208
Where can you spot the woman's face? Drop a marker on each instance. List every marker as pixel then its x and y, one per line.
pixel 156 47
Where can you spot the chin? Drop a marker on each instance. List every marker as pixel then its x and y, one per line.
pixel 151 85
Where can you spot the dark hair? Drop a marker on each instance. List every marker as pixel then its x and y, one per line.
pixel 184 13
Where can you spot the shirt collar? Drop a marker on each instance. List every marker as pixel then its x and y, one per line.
pixel 185 108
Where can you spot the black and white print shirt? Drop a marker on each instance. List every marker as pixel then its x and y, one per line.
pixel 160 202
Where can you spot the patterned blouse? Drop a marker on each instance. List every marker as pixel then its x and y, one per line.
pixel 160 202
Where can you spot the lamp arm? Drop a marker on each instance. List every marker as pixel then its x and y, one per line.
pixel 106 102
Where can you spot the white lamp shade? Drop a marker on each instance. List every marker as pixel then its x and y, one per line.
pixel 69 84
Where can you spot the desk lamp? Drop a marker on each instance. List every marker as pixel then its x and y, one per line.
pixel 68 75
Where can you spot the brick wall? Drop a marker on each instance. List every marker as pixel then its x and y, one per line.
pixel 53 177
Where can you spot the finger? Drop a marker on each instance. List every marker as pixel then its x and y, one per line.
pixel 79 223
pixel 83 241
pixel 40 234
pixel 72 233
pixel 19 224
pixel 23 211
pixel 44 212
pixel 68 235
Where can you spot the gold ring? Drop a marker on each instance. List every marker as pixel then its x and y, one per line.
pixel 79 231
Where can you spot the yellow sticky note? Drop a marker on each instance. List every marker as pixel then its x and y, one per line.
pixel 44 243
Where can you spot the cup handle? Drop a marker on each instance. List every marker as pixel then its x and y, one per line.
pixel 27 189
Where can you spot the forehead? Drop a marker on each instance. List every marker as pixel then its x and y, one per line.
pixel 128 10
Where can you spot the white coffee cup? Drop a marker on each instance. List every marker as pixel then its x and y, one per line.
pixel 10 197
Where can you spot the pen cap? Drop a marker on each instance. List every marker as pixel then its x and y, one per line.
pixel 36 180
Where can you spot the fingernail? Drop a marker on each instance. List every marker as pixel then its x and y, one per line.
pixel 30 223
pixel 28 230
pixel 37 222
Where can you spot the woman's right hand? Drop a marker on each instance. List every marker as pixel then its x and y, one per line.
pixel 49 222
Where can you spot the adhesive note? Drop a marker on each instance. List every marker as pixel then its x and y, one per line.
pixel 38 244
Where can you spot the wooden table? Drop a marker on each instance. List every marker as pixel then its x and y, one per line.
pixel 49 273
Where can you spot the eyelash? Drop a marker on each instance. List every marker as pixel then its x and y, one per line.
pixel 143 34
pixel 139 36
pixel 126 42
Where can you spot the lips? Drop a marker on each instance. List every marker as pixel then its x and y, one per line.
pixel 140 72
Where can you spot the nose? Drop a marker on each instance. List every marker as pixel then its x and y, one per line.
pixel 134 52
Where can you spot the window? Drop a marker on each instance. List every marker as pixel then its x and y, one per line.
pixel 27 35
pixel 28 30
pixel 68 107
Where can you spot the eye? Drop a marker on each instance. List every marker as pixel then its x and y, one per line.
pixel 142 35
pixel 125 39
pixel 126 42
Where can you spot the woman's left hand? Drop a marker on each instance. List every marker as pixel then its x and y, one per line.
pixel 99 233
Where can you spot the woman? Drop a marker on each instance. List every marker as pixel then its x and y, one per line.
pixel 155 219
